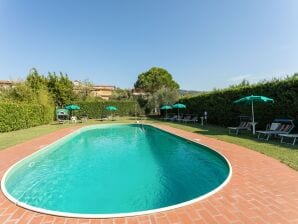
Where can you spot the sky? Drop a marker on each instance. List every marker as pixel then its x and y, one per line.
pixel 203 44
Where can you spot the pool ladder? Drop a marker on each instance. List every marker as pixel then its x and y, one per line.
pixel 141 124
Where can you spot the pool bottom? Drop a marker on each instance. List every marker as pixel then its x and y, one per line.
pixel 112 215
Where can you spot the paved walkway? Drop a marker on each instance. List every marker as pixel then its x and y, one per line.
pixel 261 190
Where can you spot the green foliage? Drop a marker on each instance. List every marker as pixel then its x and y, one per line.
pixel 160 85
pixel 15 116
pixel 20 93
pixel 142 102
pixel 243 83
pixel 45 100
pixel 31 92
pixel 222 111
pixel 121 94
pixel 190 93
pixel 163 96
pixel 83 90
pixel 61 88
pixel 166 96
pixel 35 81
pixel 97 109
pixel 155 79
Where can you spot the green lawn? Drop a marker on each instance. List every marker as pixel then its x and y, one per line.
pixel 285 153
pixel 8 139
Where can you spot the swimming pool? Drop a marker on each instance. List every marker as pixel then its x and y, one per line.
pixel 115 170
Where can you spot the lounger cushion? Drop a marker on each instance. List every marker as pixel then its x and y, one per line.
pixel 286 128
pixel 242 124
pixel 274 126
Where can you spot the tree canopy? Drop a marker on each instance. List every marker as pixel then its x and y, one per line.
pixel 155 79
pixel 33 91
pixel 121 94
pixel 45 90
pixel 36 81
pixel 61 88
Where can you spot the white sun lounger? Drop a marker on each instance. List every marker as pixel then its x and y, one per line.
pixel 278 127
pixel 293 136
pixel 243 126
pixel 194 119
pixel 185 118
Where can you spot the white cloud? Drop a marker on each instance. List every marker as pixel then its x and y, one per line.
pixel 251 78
pixel 239 78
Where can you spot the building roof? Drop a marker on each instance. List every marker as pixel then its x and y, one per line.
pixel 5 82
pixel 104 87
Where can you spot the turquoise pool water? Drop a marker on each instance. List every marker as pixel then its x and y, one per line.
pixel 116 169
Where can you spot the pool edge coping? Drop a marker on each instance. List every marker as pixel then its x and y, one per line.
pixel 114 215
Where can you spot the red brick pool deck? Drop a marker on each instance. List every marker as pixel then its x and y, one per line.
pixel 261 190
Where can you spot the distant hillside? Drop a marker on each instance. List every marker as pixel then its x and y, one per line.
pixel 184 92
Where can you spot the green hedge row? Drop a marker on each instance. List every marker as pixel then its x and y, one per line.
pixel 97 109
pixel 15 116
pixel 222 111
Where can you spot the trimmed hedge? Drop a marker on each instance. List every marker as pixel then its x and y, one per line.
pixel 222 111
pixel 15 116
pixel 97 109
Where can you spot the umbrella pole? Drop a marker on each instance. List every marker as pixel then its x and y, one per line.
pixel 253 118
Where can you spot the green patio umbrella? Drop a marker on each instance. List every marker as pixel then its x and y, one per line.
pixel 166 107
pixel 251 100
pixel 72 107
pixel 179 106
pixel 111 108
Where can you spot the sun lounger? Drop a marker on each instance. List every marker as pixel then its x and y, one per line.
pixel 243 126
pixel 84 118
pixel 103 118
pixel 181 118
pixel 278 127
pixel 284 136
pixel 194 120
pixel 62 116
pixel 185 118
pixel 175 117
pixel 168 118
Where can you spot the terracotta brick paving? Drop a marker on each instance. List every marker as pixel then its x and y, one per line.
pixel 261 190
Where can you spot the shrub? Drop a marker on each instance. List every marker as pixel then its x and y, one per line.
pixel 222 111
pixel 15 116
pixel 97 109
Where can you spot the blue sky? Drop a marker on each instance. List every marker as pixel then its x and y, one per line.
pixel 203 44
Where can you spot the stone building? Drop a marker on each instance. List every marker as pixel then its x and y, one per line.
pixel 103 91
pixel 6 84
